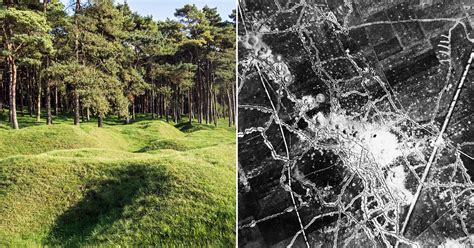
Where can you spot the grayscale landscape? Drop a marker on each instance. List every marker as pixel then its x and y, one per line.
pixel 355 123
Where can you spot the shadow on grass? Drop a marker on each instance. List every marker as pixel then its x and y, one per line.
pixel 187 127
pixel 104 203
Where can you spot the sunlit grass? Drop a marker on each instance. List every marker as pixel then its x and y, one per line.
pixel 143 184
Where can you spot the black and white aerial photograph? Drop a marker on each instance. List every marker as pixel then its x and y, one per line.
pixel 355 123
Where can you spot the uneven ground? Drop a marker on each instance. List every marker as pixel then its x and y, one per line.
pixel 145 184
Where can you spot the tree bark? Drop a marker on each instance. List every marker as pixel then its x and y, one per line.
pixel 166 109
pixel 190 106
pixel 230 107
pixel 127 120
pixel 7 34
pixel 215 114
pixel 211 107
pixel 133 109
pixel 30 92
pixel 49 117
pixel 175 110
pixel 177 106
pixel 100 120
pixel 56 100
pixel 199 97
pixel 162 106
pixel 63 101
pixel 216 101
pixel 157 104
pixel 234 107
pixel 13 74
pixel 38 97
pixel 21 93
pixel 76 47
pixel 153 104
pixel 206 95
pixel 182 103
pixel 77 109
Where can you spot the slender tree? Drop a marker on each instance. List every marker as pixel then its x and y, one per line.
pixel 25 38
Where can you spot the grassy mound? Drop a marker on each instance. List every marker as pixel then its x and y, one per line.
pixel 39 139
pixel 82 186
pixel 194 140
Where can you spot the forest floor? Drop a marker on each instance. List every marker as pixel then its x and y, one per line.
pixel 149 183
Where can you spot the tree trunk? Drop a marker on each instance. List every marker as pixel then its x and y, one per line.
pixel 199 97
pixel 230 107
pixel 175 114
pixel 133 109
pixel 206 101
pixel 157 105
pixel 21 97
pixel 127 115
pixel 7 34
pixel 234 107
pixel 100 120
pixel 153 104
pixel 63 102
pixel 229 103
pixel 56 100
pixel 166 108
pixel 215 114
pixel 182 102
pixel 190 106
pixel 211 107
pixel 77 109
pixel 88 114
pixel 216 100
pixel 38 97
pixel 178 117
pixel 162 106
pixel 49 117
pixel 13 74
pixel 76 48
pixel 30 92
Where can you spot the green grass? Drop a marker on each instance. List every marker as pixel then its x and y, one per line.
pixel 149 183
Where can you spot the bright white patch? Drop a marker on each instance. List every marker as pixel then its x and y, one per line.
pixel 321 119
pixel 320 98
pixel 307 103
pixel 396 182
pixel 438 142
pixel 471 201
pixel 377 140
pixel 443 195
pixel 382 144
pixel 457 243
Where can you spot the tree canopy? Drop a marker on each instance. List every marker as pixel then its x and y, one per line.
pixel 104 59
